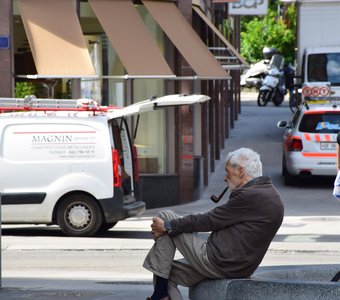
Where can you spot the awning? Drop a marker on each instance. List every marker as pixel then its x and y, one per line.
pixel 185 39
pixel 232 59
pixel 130 38
pixel 56 39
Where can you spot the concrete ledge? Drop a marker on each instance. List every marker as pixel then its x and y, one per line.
pixel 252 289
pixel 280 283
pixel 210 289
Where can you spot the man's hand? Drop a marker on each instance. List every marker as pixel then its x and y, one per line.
pixel 157 227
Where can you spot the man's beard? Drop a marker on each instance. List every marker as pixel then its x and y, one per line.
pixel 232 186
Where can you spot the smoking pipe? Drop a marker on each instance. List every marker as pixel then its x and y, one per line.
pixel 217 199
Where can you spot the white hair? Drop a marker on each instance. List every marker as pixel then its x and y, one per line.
pixel 247 159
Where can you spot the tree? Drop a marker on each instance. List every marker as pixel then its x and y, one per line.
pixel 273 30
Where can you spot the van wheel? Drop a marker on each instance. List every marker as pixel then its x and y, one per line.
pixel 79 215
pixel 107 226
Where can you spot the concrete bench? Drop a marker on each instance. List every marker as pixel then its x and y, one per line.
pixel 279 283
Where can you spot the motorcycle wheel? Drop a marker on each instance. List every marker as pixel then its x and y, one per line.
pixel 263 98
pixel 278 98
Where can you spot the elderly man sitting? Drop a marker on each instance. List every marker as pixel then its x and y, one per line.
pixel 241 232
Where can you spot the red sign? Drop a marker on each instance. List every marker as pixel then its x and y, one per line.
pixel 315 91
pixel 306 91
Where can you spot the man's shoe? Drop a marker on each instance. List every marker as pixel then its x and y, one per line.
pixel 165 298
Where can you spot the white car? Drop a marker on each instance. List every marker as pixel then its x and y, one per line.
pixel 309 142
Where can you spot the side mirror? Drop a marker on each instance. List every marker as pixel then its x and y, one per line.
pixel 282 124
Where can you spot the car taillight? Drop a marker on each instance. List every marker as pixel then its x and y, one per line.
pixel 136 167
pixel 117 169
pixel 295 144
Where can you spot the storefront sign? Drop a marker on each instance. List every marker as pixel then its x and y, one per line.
pixel 4 42
pixel 248 7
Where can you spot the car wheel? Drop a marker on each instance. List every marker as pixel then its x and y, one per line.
pixel 79 215
pixel 288 178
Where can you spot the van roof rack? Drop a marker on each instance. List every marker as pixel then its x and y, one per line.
pixel 31 103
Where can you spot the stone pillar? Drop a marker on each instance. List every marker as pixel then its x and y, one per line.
pixel 75 82
pixel 6 55
pixel 185 123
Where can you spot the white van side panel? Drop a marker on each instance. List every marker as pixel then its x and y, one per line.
pixel 51 142
pixel 53 156
pixel 36 213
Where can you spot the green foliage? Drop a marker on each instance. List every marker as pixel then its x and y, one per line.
pixel 271 31
pixel 23 89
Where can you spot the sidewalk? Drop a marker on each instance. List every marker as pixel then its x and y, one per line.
pixel 306 235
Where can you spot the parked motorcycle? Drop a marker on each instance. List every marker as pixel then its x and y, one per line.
pixel 273 86
pixel 254 76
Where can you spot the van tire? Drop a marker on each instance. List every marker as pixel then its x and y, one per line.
pixel 106 226
pixel 79 215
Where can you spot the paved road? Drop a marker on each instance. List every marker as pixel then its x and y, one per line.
pixel 52 266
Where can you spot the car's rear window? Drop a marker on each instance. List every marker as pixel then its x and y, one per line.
pixel 320 123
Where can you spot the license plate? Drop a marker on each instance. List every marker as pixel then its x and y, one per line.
pixel 327 146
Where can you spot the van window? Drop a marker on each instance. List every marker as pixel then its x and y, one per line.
pixel 324 67
pixel 320 123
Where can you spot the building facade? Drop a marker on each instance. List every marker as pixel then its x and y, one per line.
pixel 119 52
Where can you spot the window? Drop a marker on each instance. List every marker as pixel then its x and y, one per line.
pixel 320 123
pixel 324 67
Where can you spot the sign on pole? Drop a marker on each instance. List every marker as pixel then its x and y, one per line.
pixel 248 7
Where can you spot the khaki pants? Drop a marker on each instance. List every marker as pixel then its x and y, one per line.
pixel 196 266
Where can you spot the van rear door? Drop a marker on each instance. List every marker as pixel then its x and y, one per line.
pixel 121 140
pixel 156 103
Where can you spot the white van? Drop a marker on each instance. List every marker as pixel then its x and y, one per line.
pixel 71 162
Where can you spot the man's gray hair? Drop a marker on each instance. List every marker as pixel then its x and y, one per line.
pixel 247 159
